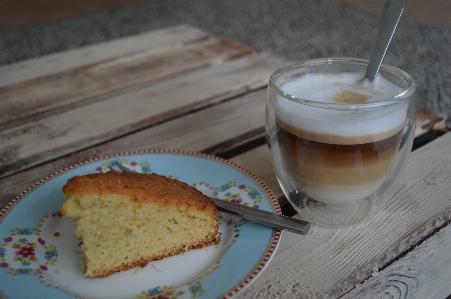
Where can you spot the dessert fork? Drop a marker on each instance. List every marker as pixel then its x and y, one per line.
pixel 253 214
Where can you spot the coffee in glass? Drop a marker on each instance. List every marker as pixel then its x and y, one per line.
pixel 338 143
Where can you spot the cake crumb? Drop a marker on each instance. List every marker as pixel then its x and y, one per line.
pixel 56 234
pixel 139 270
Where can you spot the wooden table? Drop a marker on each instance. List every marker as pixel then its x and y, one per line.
pixel 179 88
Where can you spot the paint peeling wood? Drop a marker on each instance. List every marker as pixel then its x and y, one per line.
pixel 63 61
pixel 38 98
pixel 61 134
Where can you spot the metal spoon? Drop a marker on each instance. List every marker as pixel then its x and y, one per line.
pixel 390 17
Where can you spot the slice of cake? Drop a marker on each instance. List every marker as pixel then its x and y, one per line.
pixel 128 219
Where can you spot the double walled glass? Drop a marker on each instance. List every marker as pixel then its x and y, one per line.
pixel 338 162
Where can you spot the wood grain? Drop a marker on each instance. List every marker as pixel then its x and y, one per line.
pixel 75 58
pixel 61 134
pixel 420 274
pixel 37 98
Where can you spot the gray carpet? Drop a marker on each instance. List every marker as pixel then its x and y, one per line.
pixel 295 29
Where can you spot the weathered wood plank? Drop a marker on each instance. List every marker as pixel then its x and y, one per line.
pixel 28 100
pixel 63 61
pixel 46 139
pixel 423 273
pixel 330 262
pixel 197 131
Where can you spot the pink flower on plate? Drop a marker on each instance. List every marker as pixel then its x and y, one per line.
pixel 99 169
pixel 25 252
pixel 237 200
pixel 44 268
pixel 242 187
pixel 4 265
pixel 42 242
pixel 9 239
pixel 133 164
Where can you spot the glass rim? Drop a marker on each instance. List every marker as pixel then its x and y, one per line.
pixel 345 106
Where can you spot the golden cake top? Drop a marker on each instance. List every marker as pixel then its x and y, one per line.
pixel 140 187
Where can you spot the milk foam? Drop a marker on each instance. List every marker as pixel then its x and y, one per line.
pixel 323 87
pixel 349 122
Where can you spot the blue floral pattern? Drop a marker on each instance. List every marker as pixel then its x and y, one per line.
pixel 192 290
pixel 234 192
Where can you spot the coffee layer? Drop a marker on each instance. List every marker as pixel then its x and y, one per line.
pixel 351 168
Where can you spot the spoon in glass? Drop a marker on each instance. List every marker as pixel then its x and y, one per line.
pixel 390 17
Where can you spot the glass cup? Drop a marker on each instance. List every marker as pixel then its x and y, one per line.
pixel 338 144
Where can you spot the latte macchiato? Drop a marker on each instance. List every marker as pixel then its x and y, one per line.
pixel 338 144
pixel 337 156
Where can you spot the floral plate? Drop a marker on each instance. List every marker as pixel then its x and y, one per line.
pixel 40 256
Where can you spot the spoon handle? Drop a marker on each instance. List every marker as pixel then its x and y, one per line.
pixel 263 217
pixel 390 17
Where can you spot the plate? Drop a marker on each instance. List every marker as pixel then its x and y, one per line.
pixel 40 256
